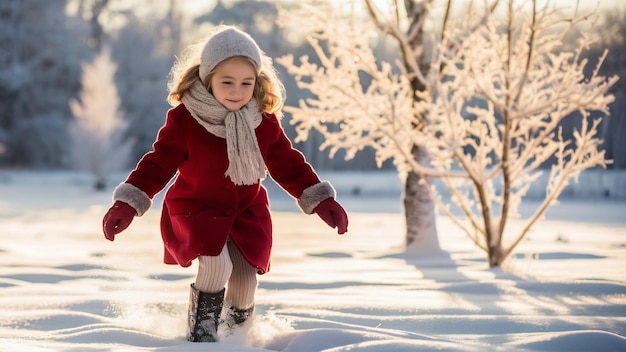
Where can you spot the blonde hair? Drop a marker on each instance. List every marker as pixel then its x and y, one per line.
pixel 269 91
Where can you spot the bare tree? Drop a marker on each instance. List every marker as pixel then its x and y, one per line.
pixel 499 85
pixel 97 142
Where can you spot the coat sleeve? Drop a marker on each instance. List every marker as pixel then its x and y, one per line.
pixel 289 168
pixel 157 167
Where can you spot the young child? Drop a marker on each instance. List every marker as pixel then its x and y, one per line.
pixel 218 140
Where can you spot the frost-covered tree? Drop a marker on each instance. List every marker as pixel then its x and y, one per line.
pixel 40 53
pixel 499 85
pixel 98 145
pixel 496 105
pixel 143 41
pixel 361 101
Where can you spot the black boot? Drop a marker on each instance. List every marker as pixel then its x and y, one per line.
pixel 235 317
pixel 204 315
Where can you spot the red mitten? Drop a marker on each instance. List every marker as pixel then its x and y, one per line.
pixel 117 219
pixel 333 214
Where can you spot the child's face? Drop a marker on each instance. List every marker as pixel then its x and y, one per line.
pixel 232 83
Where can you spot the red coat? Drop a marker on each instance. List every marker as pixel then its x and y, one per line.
pixel 202 207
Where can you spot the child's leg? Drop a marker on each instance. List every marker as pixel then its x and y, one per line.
pixel 206 298
pixel 240 294
pixel 213 272
pixel 243 281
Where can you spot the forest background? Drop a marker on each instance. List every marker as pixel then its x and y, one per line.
pixel 44 46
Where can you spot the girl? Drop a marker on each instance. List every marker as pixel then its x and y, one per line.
pixel 220 138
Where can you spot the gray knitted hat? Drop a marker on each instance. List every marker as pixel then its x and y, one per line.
pixel 225 43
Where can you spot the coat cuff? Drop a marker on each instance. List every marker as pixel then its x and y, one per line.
pixel 313 195
pixel 132 196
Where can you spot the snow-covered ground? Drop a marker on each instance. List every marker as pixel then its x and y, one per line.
pixel 63 287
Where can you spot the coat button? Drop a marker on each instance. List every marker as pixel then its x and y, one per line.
pixel 229 212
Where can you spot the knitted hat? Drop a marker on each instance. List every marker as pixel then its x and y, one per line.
pixel 225 43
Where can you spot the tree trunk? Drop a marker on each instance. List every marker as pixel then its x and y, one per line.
pixel 100 184
pixel 419 212
pixel 97 32
pixel 419 208
pixel 495 256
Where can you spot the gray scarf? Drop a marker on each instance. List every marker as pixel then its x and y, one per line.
pixel 246 164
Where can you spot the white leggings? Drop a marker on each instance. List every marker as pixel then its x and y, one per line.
pixel 228 267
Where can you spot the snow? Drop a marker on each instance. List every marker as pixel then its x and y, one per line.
pixel 63 287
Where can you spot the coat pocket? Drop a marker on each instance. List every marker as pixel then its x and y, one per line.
pixel 259 211
pixel 192 225
pixel 199 227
